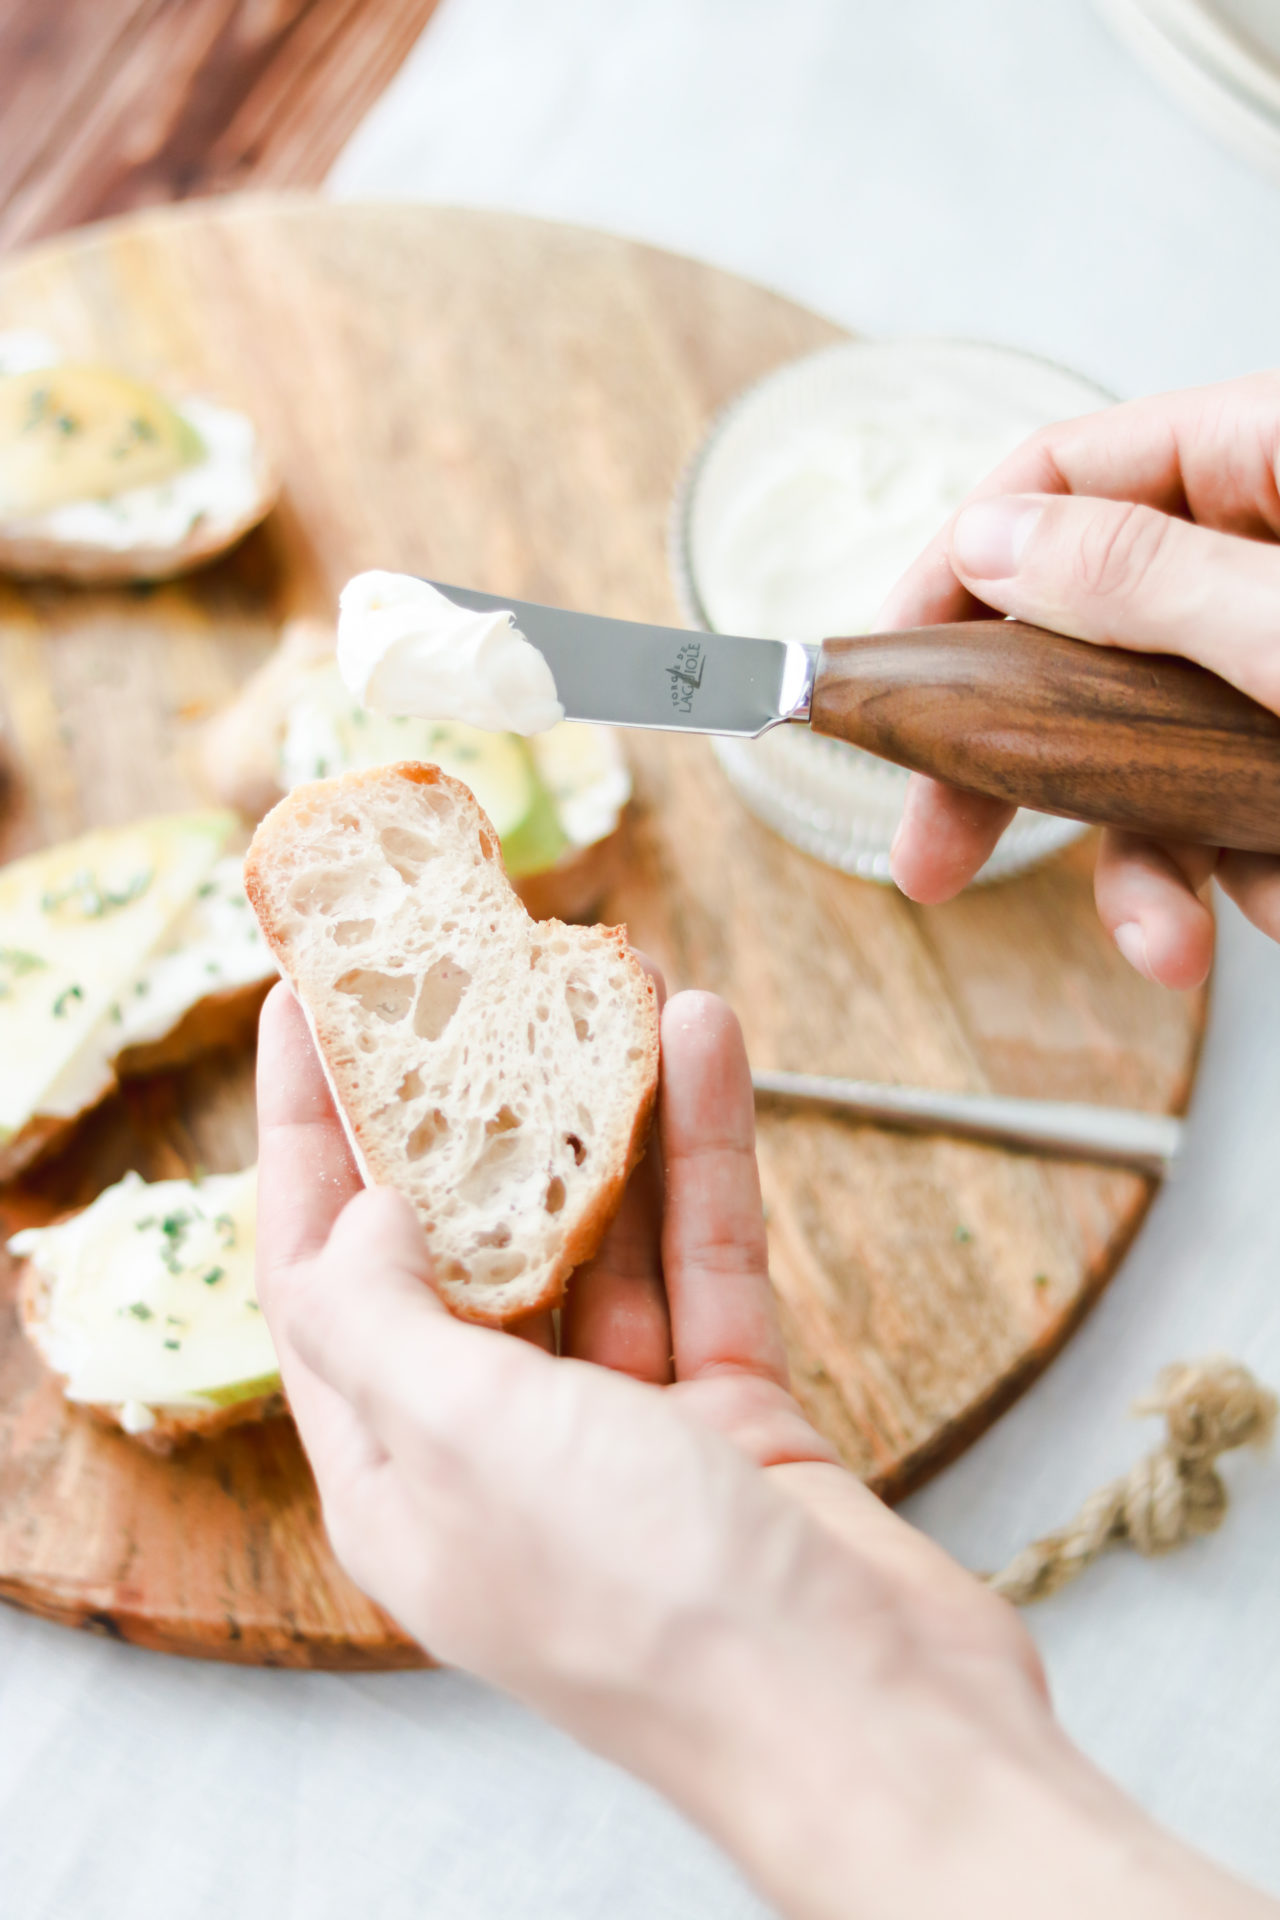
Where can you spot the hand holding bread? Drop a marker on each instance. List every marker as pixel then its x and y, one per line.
pixel 646 1541
pixel 499 1071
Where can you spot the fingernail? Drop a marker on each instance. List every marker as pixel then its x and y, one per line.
pixel 1132 942
pixel 988 538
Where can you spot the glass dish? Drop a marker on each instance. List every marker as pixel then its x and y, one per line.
pixel 766 538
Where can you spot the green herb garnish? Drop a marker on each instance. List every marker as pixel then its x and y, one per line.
pixel 64 1000
pixel 85 892
pixel 14 963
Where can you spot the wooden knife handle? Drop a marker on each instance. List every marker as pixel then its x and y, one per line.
pixel 1134 740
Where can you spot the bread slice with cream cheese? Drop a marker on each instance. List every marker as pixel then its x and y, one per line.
pixel 125 951
pixel 104 479
pixel 498 1070
pixel 143 1305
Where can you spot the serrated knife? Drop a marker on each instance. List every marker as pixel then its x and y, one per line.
pixel 1143 742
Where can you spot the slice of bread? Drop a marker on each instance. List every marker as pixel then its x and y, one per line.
pixel 198 988
pixel 29 553
pixel 499 1071
pixel 156 487
pixel 170 1427
pixel 143 1306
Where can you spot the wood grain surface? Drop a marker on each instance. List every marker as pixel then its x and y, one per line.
pixel 109 105
pixel 509 404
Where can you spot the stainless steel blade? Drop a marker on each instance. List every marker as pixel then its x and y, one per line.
pixel 631 675
pixel 1064 1129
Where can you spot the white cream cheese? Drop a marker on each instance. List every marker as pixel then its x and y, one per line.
pixel 586 774
pixel 404 648
pixel 817 494
pixel 151 1301
pixel 24 350
pixel 214 946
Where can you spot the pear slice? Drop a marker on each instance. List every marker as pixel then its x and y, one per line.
pixel 327 732
pixel 70 433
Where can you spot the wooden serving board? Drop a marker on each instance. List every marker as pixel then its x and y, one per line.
pixel 509 404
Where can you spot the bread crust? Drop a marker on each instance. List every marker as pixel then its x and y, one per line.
pixel 33 556
pixel 43 1134
pixel 223 1019
pixel 279 841
pixel 175 1426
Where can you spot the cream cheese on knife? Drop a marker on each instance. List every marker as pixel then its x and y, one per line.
pixel 405 648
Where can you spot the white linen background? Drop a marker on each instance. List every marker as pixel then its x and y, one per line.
pixel 976 167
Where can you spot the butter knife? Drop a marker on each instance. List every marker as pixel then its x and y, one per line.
pixel 1147 1143
pixel 1143 742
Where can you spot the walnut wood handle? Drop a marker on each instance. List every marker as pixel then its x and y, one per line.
pixel 1134 740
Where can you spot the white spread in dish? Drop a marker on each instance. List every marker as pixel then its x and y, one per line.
pixel 820 489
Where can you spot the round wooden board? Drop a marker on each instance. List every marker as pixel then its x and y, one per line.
pixel 500 402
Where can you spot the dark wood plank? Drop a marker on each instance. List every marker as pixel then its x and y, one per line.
pixel 108 105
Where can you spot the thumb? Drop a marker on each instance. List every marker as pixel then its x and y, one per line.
pixel 353 1313
pixel 1128 576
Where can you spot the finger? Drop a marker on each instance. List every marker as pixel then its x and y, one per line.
pixel 1208 454
pixel 1149 901
pixel 364 1319
pixel 1253 881
pixel 758 1416
pixel 306 1173
pixel 1129 576
pixel 539 1329
pixel 714 1254
pixel 616 1312
pixel 943 838
pixel 929 594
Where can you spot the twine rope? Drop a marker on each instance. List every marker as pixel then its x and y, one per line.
pixel 1172 1495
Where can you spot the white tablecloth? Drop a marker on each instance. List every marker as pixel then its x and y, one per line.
pixel 951 166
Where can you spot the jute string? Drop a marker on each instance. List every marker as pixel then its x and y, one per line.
pixel 1172 1495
